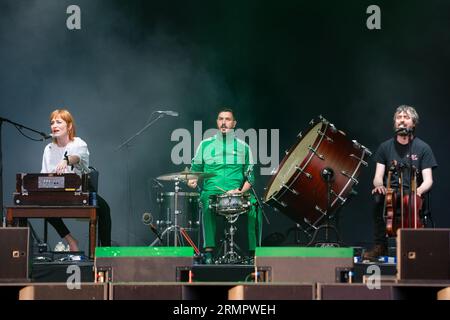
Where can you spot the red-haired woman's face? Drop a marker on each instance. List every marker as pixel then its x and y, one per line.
pixel 59 127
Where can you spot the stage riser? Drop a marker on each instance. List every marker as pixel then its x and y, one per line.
pixel 223 292
pixel 272 292
pixel 353 292
pixel 87 291
pixel 145 292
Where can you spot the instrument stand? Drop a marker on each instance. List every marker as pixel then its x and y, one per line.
pixel 328 175
pixel 230 256
pixel 178 232
pixel 298 230
pixel 42 245
pixel 175 228
pixel 19 127
pixel 127 144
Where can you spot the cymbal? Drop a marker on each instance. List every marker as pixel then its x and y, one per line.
pixel 185 175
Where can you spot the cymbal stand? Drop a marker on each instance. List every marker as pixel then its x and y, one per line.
pixel 175 228
pixel 178 231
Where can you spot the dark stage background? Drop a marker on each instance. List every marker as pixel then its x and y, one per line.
pixel 277 63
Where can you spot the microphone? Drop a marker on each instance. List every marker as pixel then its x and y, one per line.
pixel 169 113
pixel 46 136
pixel 147 219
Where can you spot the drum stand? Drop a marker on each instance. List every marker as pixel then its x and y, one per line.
pixel 230 256
pixel 328 175
pixel 178 232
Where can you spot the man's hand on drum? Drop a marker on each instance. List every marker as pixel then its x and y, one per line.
pixel 192 183
pixel 234 191
pixel 379 190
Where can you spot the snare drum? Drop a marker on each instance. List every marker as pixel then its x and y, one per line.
pixel 230 204
pixel 299 187
pixel 188 209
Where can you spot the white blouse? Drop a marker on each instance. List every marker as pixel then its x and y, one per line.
pixel 53 154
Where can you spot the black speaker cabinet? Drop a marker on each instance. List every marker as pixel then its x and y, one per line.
pixel 423 254
pixel 14 252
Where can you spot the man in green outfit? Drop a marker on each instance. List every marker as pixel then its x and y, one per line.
pixel 231 160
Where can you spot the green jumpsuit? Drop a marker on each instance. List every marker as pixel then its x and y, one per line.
pixel 231 160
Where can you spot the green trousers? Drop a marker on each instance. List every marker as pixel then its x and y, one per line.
pixel 209 222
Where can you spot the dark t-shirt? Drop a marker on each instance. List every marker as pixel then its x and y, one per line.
pixel 422 158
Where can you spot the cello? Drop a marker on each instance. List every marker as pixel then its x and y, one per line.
pixel 410 207
pixel 390 202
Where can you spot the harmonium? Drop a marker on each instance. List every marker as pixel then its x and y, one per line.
pixel 51 189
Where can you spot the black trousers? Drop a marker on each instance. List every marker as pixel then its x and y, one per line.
pixel 104 223
pixel 380 236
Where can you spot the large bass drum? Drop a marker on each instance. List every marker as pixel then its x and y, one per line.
pixel 299 187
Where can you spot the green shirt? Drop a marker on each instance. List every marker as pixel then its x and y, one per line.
pixel 228 157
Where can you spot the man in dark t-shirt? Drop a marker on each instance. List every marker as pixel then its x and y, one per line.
pixel 405 151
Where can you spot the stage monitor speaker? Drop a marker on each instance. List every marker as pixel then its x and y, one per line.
pixel 423 254
pixel 141 264
pixel 304 264
pixel 14 254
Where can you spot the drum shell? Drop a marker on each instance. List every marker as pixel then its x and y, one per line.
pixel 229 204
pixel 303 194
pixel 188 209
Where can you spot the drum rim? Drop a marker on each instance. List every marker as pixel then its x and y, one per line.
pixel 172 193
pixel 313 123
pixel 226 195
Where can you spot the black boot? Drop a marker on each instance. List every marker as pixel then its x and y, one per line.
pixel 377 251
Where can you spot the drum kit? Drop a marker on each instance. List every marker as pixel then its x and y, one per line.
pixel 313 180
pixel 179 210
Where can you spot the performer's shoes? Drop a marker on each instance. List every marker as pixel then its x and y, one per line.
pixel 377 251
pixel 207 258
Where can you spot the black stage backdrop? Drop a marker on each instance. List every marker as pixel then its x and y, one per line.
pixel 277 63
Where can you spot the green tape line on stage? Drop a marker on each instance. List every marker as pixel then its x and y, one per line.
pixel 105 252
pixel 317 252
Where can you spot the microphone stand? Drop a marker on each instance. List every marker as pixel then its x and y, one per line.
pixel 411 173
pixel 127 144
pixel 262 210
pixel 139 132
pixel 259 205
pixel 19 127
pixel 328 176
